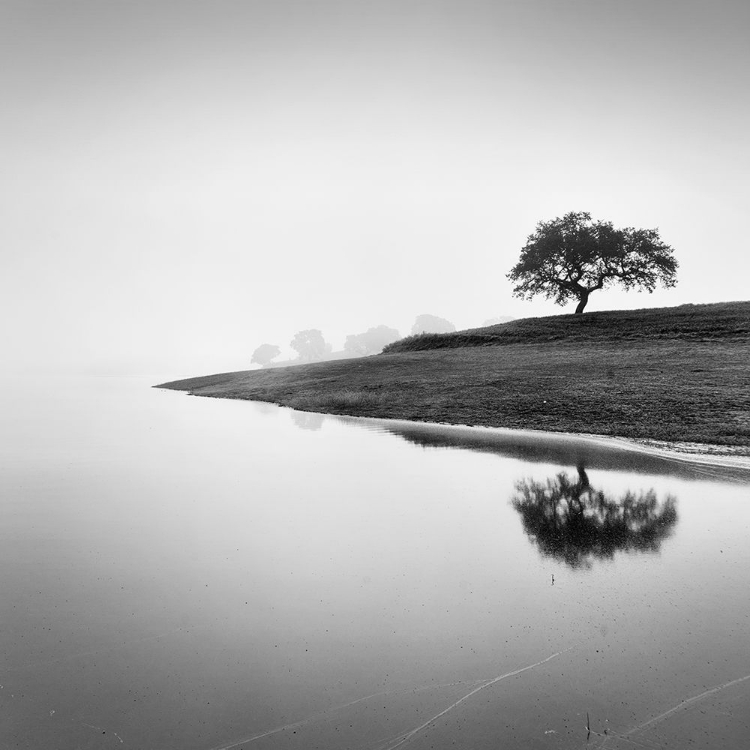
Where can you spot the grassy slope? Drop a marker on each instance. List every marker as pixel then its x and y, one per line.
pixel 677 374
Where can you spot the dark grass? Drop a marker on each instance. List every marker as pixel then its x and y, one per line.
pixel 687 322
pixel 692 384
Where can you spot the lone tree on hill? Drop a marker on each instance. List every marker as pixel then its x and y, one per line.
pixel 571 257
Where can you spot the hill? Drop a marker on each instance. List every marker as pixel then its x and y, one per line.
pixel 668 374
pixel 687 322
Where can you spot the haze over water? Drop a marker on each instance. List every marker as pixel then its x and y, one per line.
pixel 195 573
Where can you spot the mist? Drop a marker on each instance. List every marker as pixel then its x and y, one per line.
pixel 185 181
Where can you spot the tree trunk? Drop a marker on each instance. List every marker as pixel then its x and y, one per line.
pixel 582 300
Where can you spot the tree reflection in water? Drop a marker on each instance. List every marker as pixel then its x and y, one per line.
pixel 572 522
pixel 306 420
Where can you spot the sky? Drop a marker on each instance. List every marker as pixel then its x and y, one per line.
pixel 182 181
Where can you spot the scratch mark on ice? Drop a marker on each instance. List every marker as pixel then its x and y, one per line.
pixel 684 704
pixel 294 725
pixel 407 737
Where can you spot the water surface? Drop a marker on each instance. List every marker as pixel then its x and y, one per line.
pixel 195 573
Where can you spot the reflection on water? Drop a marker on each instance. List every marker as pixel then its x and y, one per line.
pixel 187 573
pixel 575 523
pixel 563 449
pixel 307 420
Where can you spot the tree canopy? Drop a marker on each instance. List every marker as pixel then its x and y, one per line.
pixel 432 324
pixel 371 341
pixel 310 345
pixel 265 353
pixel 573 256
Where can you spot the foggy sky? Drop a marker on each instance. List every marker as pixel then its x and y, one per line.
pixel 183 181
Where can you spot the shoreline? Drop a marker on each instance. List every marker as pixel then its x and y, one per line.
pixel 734 458
pixel 667 382
pixel 711 455
pixel 702 454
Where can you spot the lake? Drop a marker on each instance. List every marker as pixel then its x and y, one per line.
pixel 205 574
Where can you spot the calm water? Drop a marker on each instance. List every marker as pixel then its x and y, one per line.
pixel 194 573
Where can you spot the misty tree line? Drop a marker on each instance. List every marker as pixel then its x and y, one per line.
pixel 567 258
pixel 311 346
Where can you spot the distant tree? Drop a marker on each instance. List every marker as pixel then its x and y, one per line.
pixel 264 354
pixel 431 324
pixel 571 257
pixel 354 346
pixel 371 341
pixel 310 345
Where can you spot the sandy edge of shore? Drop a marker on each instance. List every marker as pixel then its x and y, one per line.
pixel 724 456
pixel 736 456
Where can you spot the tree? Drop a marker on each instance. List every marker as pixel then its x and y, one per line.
pixel 264 354
pixel 371 341
pixel 571 257
pixel 310 345
pixel 432 324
